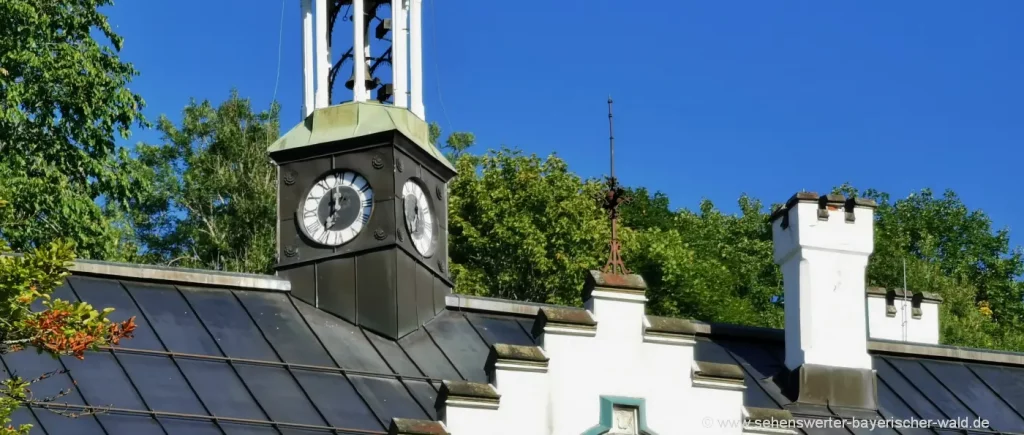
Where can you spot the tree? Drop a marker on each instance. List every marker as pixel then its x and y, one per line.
pixel 646 210
pixel 213 198
pixel 710 266
pixel 58 328
pixel 953 251
pixel 63 100
pixel 522 227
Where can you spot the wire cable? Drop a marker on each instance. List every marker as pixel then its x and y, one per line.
pixel 437 74
pixel 280 40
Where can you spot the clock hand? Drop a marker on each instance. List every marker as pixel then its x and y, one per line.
pixel 335 199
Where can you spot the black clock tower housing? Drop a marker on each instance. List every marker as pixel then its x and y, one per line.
pixel 377 280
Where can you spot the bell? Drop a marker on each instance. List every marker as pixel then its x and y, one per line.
pixel 370 82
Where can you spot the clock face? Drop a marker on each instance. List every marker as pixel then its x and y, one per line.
pixel 418 218
pixel 336 208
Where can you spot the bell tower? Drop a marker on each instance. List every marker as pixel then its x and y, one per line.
pixel 362 193
pixel 396 25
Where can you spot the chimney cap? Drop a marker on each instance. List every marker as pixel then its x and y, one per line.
pixel 597 280
pixel 899 292
pixel 823 201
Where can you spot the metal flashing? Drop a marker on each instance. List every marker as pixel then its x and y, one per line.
pixel 494 305
pixel 358 119
pixel 942 352
pixel 812 384
pixel 174 275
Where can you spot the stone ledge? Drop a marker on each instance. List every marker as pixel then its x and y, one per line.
pixel 406 426
pixel 670 326
pixel 754 413
pixel 468 392
pixel 718 372
pixel 571 318
pixel 526 355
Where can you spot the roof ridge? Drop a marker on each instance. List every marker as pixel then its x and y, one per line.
pixel 176 275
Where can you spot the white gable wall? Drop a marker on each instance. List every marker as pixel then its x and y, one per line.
pixel 615 360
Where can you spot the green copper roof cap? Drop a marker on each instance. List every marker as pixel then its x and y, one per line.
pixel 350 120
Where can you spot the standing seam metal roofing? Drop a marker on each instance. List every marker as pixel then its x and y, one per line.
pixel 220 361
pixel 236 361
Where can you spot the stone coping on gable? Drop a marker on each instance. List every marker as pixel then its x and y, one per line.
pixel 703 329
pixel 732 373
pixel 406 426
pixel 500 352
pixel 563 317
pixel 466 392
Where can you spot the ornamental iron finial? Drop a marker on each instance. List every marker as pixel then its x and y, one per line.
pixel 614 196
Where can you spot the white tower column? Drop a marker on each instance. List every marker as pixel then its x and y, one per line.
pixel 307 58
pixel 400 51
pixel 416 58
pixel 323 57
pixel 359 49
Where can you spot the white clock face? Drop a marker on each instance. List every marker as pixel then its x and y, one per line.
pixel 418 218
pixel 336 208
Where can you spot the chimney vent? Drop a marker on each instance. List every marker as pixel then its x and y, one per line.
pixel 899 315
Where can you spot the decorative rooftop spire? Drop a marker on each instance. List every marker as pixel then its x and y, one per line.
pixel 614 196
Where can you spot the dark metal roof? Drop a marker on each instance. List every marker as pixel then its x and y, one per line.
pixel 230 361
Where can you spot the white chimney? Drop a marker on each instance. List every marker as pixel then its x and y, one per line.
pixel 899 315
pixel 822 244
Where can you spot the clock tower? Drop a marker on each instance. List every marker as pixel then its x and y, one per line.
pixel 362 193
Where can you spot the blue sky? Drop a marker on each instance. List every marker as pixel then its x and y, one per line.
pixel 712 99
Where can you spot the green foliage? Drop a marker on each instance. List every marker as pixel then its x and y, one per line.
pixel 522 227
pixel 63 100
pixel 646 210
pixel 60 328
pixel 526 228
pixel 712 266
pixel 213 203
